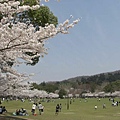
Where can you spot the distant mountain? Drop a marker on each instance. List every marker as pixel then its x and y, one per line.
pixel 108 76
pixel 108 82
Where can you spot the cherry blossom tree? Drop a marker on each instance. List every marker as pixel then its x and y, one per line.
pixel 18 38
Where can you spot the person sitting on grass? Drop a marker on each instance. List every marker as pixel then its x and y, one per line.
pixel 21 112
pixel 17 112
pixel 4 109
pixel 1 110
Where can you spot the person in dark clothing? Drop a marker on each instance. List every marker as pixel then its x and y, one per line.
pixel 4 109
pixel 1 110
pixel 60 107
pixel 17 112
pixel 57 109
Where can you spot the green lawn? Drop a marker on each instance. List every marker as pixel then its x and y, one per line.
pixel 78 110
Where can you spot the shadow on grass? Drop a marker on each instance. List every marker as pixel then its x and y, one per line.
pixel 9 117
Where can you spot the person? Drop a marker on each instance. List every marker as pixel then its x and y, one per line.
pixel 57 109
pixel 33 108
pixel 60 107
pixel 4 109
pixel 17 112
pixel 104 106
pixel 40 108
pixel 95 107
pixel 23 112
pixel 117 103
pixel 1 110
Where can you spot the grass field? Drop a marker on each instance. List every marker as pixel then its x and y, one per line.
pixel 78 110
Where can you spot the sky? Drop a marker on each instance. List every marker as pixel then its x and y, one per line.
pixel 91 47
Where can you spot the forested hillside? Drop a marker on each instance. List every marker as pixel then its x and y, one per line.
pixel 107 82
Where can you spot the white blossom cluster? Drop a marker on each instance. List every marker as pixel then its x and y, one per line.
pixel 18 38
pixel 22 92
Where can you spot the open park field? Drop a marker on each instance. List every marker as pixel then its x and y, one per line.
pixel 79 109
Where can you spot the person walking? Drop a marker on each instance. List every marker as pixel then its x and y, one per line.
pixel 104 106
pixel 96 107
pixel 60 107
pixel 33 108
pixel 40 108
pixel 57 109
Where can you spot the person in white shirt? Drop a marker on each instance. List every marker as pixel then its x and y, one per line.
pixel 40 108
pixel 33 108
pixel 95 107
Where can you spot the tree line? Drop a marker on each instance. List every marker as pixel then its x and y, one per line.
pixel 108 82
